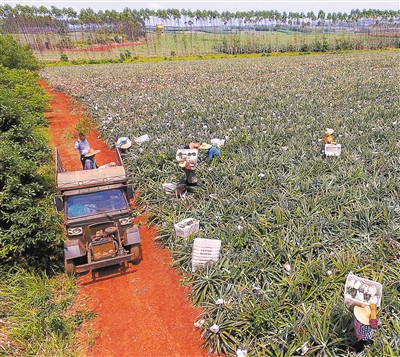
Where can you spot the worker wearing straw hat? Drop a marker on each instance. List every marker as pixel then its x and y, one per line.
pixel 365 323
pixel 327 138
pixel 123 144
pixel 86 152
pixel 89 161
pixel 212 152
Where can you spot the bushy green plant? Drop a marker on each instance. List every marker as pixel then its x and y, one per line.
pixel 64 57
pixel 128 54
pixel 13 55
pixel 30 232
pixel 84 125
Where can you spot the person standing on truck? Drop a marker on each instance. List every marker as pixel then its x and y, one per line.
pixel 89 162
pixel 82 145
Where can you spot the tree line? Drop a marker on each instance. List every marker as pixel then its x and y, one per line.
pixel 49 28
pixel 21 13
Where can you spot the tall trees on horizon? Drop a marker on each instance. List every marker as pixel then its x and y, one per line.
pixel 45 28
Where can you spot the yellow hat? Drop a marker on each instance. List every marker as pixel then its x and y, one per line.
pixel 205 146
pixel 329 131
pixel 362 314
pixel 182 164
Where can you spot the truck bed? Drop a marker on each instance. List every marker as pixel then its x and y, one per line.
pixel 69 180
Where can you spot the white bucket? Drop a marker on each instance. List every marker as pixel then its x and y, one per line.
pixel 217 142
pixel 333 149
pixel 186 227
pixel 141 139
pixel 190 155
pixel 169 187
pixel 204 251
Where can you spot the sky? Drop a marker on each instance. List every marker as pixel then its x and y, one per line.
pixel 343 6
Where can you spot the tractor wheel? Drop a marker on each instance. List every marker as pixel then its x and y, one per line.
pixel 136 249
pixel 69 266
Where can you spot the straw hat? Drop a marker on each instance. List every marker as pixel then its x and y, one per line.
pixel 362 314
pixel 194 145
pixel 124 143
pixel 205 146
pixel 92 153
pixel 329 131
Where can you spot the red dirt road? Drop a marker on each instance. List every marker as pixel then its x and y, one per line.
pixel 141 309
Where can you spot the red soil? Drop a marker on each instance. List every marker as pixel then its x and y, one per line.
pixel 141 309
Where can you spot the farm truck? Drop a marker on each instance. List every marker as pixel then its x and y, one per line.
pixel 97 216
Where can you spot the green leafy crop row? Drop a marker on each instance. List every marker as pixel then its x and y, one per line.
pixel 292 223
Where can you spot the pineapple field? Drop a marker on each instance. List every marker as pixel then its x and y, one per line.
pixel 292 222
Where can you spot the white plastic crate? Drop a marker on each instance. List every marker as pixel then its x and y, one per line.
pixel 141 139
pixel 333 149
pixel 204 251
pixel 187 154
pixel 186 227
pixel 362 292
pixel 168 187
pixel 217 142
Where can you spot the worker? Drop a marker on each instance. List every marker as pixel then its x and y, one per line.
pixel 189 181
pixel 123 144
pixel 365 323
pixel 190 173
pixel 82 145
pixel 192 146
pixel 212 152
pixel 328 139
pixel 89 161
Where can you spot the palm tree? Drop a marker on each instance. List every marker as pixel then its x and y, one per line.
pixel 213 17
pixel 239 17
pixel 321 18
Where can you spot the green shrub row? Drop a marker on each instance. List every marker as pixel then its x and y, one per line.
pixel 30 233
pixel 317 46
pixel 36 308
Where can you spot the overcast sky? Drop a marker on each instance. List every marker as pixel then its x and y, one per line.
pixel 344 6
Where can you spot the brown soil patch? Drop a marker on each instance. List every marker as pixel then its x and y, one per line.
pixel 141 309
